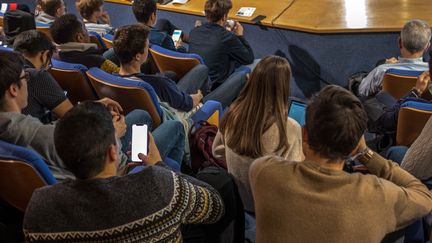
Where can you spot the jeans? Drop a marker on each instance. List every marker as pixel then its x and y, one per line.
pixel 396 153
pixel 170 140
pixel 169 136
pixel 226 92
pixel 194 80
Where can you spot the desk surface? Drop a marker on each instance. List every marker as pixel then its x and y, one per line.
pixel 322 16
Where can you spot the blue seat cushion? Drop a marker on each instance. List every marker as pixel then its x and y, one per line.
pixel 426 106
pixel 177 54
pixel 14 152
pixel 68 66
pixel 400 72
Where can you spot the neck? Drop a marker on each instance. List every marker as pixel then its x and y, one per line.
pixel 109 171
pixel 324 162
pixel 406 54
pixel 10 107
pixel 35 61
pixel 221 22
pixel 130 68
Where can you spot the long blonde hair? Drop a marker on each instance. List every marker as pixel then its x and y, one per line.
pixel 261 103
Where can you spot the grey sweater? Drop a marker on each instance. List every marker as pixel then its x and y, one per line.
pixel 418 159
pixel 29 132
pixel 149 206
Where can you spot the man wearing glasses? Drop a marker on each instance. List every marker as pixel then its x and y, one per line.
pixel 46 97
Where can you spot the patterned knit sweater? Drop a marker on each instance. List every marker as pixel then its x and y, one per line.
pixel 149 206
pixel 418 159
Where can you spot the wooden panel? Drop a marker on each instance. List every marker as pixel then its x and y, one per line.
pixel 196 7
pixel 322 16
pixel 333 16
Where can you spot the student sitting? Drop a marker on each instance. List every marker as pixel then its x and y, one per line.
pixel 14 23
pixel 95 18
pixel 51 9
pixel 75 45
pixel 149 206
pixel 293 198
pixel 223 51
pixel 29 132
pixel 257 124
pixel 44 93
pixel 131 46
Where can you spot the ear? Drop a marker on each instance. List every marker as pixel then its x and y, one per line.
pixel 427 47
pixel 153 18
pixel 13 90
pixel 399 40
pixel 113 153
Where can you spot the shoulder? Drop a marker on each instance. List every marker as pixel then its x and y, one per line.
pixel 267 165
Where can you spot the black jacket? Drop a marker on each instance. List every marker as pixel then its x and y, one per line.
pixel 221 50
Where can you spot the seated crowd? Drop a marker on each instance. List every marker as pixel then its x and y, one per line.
pixel 283 182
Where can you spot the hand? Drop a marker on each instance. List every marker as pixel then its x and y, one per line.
pixel 178 43
pixel 153 156
pixel 196 98
pixel 391 60
pixel 112 105
pixel 105 17
pixel 198 23
pixel 119 124
pixel 422 82
pixel 361 146
pixel 238 29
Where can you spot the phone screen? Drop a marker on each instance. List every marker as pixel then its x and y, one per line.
pixel 176 35
pixel 139 141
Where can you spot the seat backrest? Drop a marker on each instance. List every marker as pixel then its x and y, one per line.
pixel 97 39
pixel 108 40
pixel 399 82
pixel 44 28
pixel 413 116
pixel 180 63
pixel 73 79
pixel 131 94
pixel 1 19
pixel 21 172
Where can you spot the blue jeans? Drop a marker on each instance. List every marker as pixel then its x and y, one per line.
pixel 194 80
pixel 396 153
pixel 169 136
pixel 226 92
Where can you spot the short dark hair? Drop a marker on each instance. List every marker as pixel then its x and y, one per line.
pixel 129 41
pixel 65 28
pixel 32 42
pixel 82 138
pixel 87 7
pixel 335 122
pixel 215 10
pixel 50 6
pixel 12 64
pixel 143 9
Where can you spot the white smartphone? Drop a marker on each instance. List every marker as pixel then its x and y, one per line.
pixel 139 141
pixel 176 35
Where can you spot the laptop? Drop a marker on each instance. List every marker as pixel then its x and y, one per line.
pixel 297 110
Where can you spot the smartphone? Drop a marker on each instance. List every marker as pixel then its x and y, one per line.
pixel 139 141
pixel 176 35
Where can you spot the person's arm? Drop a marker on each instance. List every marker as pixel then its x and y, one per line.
pixel 388 120
pixel 371 84
pixel 62 108
pixel 218 148
pixel 204 204
pixel 238 48
pixel 406 197
pixel 418 160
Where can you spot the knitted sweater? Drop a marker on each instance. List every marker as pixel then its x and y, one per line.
pixel 239 165
pixel 149 206
pixel 418 159
pixel 304 202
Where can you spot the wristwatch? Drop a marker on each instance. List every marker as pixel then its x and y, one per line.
pixel 365 155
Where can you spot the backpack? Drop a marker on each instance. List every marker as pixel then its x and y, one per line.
pixel 201 143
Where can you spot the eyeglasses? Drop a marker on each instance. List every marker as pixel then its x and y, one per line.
pixel 26 76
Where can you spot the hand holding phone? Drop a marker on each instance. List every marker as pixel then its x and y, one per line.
pixel 176 37
pixel 153 156
pixel 139 141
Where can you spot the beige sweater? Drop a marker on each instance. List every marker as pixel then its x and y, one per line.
pixel 303 202
pixel 238 165
pixel 418 159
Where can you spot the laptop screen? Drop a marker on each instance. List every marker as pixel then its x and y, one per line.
pixel 297 111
